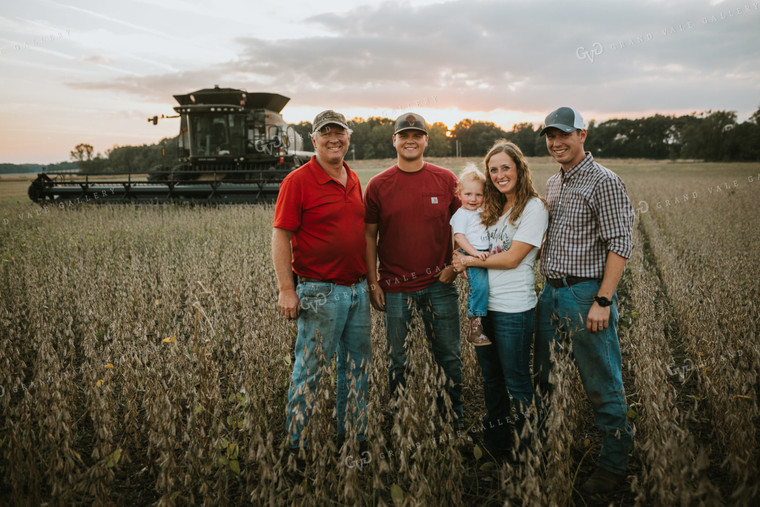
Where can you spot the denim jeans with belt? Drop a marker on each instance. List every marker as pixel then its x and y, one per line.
pixel 333 318
pixel 439 306
pixel 505 365
pixel 561 317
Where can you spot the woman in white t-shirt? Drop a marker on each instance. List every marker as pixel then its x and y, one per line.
pixel 516 218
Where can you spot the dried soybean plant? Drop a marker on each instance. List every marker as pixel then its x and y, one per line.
pixel 143 361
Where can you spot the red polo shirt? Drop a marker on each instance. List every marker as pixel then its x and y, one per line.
pixel 327 220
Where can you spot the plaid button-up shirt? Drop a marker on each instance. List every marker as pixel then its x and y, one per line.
pixel 591 215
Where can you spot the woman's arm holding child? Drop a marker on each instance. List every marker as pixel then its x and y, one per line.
pixel 465 245
pixel 502 260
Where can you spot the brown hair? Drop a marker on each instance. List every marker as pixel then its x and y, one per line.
pixel 493 200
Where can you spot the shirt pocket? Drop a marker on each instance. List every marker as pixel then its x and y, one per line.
pixel 435 205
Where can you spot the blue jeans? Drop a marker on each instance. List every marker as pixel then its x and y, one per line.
pixel 561 317
pixel 505 365
pixel 477 296
pixel 333 318
pixel 439 306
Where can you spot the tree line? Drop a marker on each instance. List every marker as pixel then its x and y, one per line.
pixel 7 168
pixel 125 159
pixel 709 136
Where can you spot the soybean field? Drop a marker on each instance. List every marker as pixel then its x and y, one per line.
pixel 143 362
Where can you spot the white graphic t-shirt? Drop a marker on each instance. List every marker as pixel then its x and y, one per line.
pixel 513 290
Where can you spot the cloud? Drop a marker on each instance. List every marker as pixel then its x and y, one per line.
pixel 492 55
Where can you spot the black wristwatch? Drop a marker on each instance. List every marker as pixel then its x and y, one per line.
pixel 602 301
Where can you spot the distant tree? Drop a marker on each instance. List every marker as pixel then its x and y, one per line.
pixel 304 130
pixel 60 166
pixel 742 142
pixel 475 137
pixel 371 138
pixel 539 143
pixel 97 164
pixel 360 138
pixel 656 137
pixel 707 138
pixel 81 152
pixel 755 118
pixel 523 135
pixel 135 159
pixel 438 142
pixel 381 137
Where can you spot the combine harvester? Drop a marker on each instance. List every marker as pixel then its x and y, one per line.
pixel 233 147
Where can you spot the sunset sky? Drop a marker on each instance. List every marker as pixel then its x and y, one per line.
pixel 93 71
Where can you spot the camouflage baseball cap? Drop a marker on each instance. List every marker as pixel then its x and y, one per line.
pixel 329 117
pixel 410 121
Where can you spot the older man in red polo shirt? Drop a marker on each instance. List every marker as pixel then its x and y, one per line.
pixel 319 236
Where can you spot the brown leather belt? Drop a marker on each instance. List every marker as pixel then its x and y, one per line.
pixel 306 279
pixel 558 283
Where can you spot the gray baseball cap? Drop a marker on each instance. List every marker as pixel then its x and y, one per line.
pixel 410 121
pixel 329 117
pixel 566 119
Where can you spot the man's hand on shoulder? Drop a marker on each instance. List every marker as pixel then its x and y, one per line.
pixel 288 303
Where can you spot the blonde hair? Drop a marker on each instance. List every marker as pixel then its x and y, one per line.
pixel 493 200
pixel 470 173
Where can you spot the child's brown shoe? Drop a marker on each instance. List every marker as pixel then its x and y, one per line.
pixel 476 335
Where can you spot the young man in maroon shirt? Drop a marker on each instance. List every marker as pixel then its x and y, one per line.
pixel 408 208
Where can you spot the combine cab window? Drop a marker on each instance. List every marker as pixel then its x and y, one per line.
pixel 217 135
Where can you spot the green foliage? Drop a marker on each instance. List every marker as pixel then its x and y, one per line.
pixel 524 136
pixel 655 137
pixel 36 168
pixel 81 152
pixel 716 136
pixel 372 138
pixel 135 159
pixel 304 130
pixel 438 141
pixel 710 136
pixel 476 137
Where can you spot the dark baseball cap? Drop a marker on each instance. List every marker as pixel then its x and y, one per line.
pixel 329 117
pixel 566 119
pixel 410 121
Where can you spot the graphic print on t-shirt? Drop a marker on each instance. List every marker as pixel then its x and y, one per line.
pixel 499 238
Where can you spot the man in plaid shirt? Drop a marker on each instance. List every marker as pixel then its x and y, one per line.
pixel 587 245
